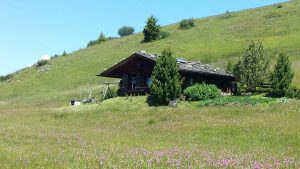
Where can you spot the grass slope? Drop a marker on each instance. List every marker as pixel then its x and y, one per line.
pixel 213 40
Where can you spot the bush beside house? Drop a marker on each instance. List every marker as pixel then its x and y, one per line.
pixel 203 91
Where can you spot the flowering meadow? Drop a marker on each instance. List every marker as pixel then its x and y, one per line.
pixel 115 135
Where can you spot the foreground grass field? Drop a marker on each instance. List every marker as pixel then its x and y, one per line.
pixel 127 133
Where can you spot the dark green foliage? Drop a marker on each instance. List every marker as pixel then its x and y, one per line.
pixel 166 80
pixel 111 93
pixel 297 94
pixel 252 69
pixel 163 34
pixel 65 53
pixel 202 92
pixel 111 38
pixel 54 56
pixel 279 6
pixel 237 69
pixel 282 76
pixel 92 43
pixel 125 31
pixel 5 78
pixel 228 14
pixel 41 63
pixel 151 122
pixel 237 100
pixel 151 30
pixel 229 67
pixel 291 92
pixel 102 38
pixel 187 23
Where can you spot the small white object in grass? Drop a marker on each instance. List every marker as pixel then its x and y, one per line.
pixel 77 103
pixel 45 57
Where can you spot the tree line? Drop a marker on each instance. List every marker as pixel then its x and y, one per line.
pixel 152 31
pixel 252 71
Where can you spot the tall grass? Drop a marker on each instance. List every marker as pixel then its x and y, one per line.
pixel 116 135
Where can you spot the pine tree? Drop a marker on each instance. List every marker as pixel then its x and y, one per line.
pixel 282 75
pixel 151 30
pixel 254 67
pixel 102 38
pixel 229 67
pixel 166 80
pixel 65 53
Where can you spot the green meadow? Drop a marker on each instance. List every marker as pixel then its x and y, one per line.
pixel 127 133
pixel 38 128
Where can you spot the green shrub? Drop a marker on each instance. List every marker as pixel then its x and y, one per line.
pixel 111 93
pixel 102 38
pixel 297 94
pixel 41 63
pixel 125 31
pixel 293 93
pixel 237 100
pixel 187 23
pixel 54 56
pixel 279 6
pixel 163 34
pixel 92 43
pixel 64 53
pixel 227 14
pixel 5 78
pixel 202 92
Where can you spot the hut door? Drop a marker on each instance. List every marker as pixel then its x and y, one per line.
pixel 139 80
pixel 124 83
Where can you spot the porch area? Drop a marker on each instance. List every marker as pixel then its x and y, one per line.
pixel 135 85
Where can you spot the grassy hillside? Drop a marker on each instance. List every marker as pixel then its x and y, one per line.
pixel 213 40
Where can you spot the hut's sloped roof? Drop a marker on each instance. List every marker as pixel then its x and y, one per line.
pixel 191 66
pixel 184 66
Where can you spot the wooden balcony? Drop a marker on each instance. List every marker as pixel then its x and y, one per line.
pixel 138 91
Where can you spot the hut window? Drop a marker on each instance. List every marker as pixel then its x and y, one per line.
pixel 148 81
pixel 191 80
pixel 133 80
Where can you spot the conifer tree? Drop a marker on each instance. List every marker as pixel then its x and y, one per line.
pixel 151 30
pixel 65 53
pixel 166 80
pixel 254 66
pixel 282 75
pixel 229 67
pixel 102 38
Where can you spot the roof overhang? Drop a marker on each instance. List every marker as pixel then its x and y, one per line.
pixel 111 71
